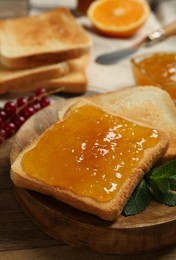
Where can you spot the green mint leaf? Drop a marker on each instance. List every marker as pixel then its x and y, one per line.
pixel 162 182
pixel 139 200
pixel 166 171
pixel 163 185
pixel 168 198
pixel 172 186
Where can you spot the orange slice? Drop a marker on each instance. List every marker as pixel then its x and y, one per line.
pixel 120 18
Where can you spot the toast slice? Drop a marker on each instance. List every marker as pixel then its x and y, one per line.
pixel 151 106
pixel 70 74
pixel 74 82
pixel 50 37
pixel 91 159
pixel 24 80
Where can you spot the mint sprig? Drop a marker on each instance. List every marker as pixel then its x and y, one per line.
pixel 139 200
pixel 159 183
pixel 162 182
pixel 165 172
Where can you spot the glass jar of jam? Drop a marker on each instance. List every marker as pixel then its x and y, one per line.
pixel 157 69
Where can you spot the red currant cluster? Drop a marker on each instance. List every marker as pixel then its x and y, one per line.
pixel 15 113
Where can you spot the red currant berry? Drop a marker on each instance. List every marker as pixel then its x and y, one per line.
pixel 21 101
pixel 31 99
pixel 3 115
pixel 40 91
pixel 10 108
pixel 44 102
pixel 18 120
pixel 3 133
pixel 9 128
pixel 27 112
pixel 36 106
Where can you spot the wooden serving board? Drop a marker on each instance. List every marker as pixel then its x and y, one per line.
pixel 153 229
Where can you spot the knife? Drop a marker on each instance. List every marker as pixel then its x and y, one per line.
pixel 153 38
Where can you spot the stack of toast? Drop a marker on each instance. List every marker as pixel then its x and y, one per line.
pixel 50 49
pixel 91 153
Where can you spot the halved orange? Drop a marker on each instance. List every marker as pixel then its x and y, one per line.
pixel 118 17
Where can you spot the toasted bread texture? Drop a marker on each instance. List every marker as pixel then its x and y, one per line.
pixel 151 106
pixel 73 82
pixel 25 80
pixel 71 75
pixel 107 210
pixel 50 37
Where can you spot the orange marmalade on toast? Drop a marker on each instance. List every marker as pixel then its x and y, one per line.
pixel 90 152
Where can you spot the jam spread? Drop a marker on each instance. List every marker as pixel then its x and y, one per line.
pixel 90 153
pixel 158 69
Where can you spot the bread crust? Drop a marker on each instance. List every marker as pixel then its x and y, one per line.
pixel 105 210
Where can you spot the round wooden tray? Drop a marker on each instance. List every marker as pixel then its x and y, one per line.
pixel 153 229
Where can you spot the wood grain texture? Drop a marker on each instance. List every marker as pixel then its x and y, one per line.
pixel 16 231
pixel 65 252
pixel 153 229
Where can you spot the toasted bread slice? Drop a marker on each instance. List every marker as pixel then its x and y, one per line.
pixel 95 145
pixel 51 37
pixel 151 106
pixel 73 82
pixel 70 74
pixel 24 80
